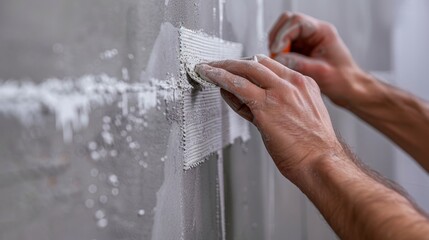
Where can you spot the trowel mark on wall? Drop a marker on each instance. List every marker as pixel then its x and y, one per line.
pixel 71 100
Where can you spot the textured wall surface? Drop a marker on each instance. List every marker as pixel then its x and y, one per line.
pixel 90 143
pixel 91 133
pixel 119 176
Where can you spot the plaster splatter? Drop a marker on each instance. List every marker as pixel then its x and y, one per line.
pixel 109 54
pixel 71 100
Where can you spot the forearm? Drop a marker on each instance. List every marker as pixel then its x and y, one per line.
pixel 399 115
pixel 358 204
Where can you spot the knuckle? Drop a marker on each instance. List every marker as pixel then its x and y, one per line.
pixel 330 28
pixel 298 81
pixel 323 70
pixel 271 97
pixel 299 16
pixel 249 64
pixel 252 104
pixel 312 83
pixel 296 17
pixel 238 82
pixel 286 14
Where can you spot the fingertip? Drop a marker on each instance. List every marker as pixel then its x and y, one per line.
pixel 281 20
pixel 200 67
pixel 276 47
pixel 205 71
pixel 281 45
pixel 260 57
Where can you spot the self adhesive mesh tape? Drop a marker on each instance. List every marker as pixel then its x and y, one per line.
pixel 198 47
pixel 208 124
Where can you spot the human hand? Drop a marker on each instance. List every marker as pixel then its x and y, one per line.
pixel 284 105
pixel 317 51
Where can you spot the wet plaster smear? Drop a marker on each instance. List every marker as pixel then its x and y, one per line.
pixel 81 156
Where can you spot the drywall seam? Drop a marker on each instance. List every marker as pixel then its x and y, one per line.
pixel 169 209
pixel 221 192
pixel 208 124
pixel 71 100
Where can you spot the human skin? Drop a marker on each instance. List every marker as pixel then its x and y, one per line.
pixel 287 108
pixel 319 52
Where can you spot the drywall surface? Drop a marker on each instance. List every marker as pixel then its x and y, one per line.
pixel 97 153
pixel 91 144
pixel 411 73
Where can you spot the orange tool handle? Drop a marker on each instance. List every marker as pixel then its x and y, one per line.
pixel 285 50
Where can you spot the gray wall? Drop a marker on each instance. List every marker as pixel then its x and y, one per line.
pixel 56 188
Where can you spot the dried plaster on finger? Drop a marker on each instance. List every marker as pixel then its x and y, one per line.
pixel 239 82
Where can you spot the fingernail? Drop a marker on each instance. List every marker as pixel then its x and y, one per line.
pixel 287 61
pixel 259 57
pixel 252 58
pixel 279 46
pixel 255 58
pixel 202 69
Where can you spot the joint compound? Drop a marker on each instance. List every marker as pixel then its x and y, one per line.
pixel 71 100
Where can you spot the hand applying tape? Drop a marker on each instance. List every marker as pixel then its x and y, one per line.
pixel 284 105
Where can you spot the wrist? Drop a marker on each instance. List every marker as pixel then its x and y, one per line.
pixel 315 164
pixel 365 90
pixel 330 175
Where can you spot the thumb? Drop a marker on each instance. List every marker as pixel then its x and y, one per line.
pixel 303 64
